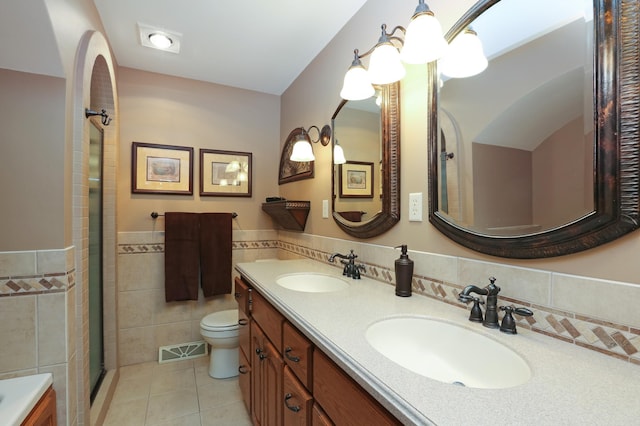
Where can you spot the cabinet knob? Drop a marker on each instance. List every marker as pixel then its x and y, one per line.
pixel 243 369
pixel 294 408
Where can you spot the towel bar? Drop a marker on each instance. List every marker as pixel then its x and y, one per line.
pixel 156 214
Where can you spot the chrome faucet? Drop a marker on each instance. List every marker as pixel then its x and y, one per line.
pixel 350 268
pixel 491 314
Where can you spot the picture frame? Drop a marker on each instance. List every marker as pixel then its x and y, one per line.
pixel 356 179
pixel 291 171
pixel 161 169
pixel 225 173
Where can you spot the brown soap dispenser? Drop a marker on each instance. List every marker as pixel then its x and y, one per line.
pixel 404 273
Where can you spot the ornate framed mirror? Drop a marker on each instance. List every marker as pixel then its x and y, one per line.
pixel 366 189
pixel 472 209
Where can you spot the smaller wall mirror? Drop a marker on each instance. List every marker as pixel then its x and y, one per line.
pixel 366 189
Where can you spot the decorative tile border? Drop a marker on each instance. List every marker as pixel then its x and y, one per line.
pixel 36 284
pixel 146 248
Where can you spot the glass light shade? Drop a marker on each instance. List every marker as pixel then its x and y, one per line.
pixel 385 66
pixel 465 57
pixel 423 41
pixel 338 154
pixel 357 85
pixel 159 40
pixel 302 151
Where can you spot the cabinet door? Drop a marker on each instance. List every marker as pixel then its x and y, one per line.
pixel 272 386
pixel 44 413
pixel 244 380
pixel 269 319
pixel 297 352
pixel 342 398
pixel 257 356
pixel 298 402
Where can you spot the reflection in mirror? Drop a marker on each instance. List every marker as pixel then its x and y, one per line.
pixel 525 164
pixel 366 188
pixel 521 165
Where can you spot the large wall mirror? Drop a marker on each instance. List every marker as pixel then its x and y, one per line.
pixel 537 156
pixel 366 189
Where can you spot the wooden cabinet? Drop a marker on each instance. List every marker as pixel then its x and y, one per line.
pixel 266 380
pixel 344 401
pixel 291 382
pixel 298 402
pixel 243 297
pixel 44 413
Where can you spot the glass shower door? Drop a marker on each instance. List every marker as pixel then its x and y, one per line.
pixel 96 350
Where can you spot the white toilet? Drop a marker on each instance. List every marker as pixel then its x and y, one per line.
pixel 220 330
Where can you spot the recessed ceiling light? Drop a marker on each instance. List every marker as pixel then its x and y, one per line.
pixel 161 39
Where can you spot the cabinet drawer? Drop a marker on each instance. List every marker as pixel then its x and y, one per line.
pixel 342 398
pixel 297 352
pixel 298 402
pixel 268 318
pixel 242 295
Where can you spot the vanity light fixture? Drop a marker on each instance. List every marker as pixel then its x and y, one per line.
pixel 465 57
pixel 338 153
pixel 423 42
pixel 105 119
pixel 302 150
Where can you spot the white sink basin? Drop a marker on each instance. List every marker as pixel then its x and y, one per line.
pixel 448 353
pixel 312 282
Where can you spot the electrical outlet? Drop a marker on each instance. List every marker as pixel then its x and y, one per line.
pixel 325 209
pixel 415 207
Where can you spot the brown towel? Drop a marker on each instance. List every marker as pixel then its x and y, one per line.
pixel 181 256
pixel 215 253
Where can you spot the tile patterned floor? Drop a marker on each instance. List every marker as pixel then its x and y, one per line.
pixel 175 394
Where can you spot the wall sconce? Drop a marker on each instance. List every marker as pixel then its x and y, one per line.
pixel 423 42
pixel 338 153
pixel 302 149
pixel 105 117
pixel 465 57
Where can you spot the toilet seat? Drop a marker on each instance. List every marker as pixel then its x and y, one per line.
pixel 220 321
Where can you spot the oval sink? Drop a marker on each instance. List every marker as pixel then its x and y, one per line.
pixel 312 282
pixel 448 353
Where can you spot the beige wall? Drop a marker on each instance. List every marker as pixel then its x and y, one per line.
pixel 167 110
pixel 32 120
pixel 321 82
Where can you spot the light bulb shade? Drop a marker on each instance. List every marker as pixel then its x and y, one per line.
pixel 357 85
pixel 385 66
pixel 465 57
pixel 302 151
pixel 423 41
pixel 338 155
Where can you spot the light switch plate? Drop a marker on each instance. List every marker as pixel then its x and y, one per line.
pixel 325 209
pixel 415 207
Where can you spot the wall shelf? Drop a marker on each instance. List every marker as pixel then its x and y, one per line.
pixel 291 215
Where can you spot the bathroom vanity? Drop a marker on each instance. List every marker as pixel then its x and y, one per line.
pixel 326 331
pixel 28 401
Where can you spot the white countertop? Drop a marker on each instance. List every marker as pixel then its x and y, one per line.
pixel 569 385
pixel 19 395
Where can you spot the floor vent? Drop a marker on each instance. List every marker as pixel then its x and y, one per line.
pixel 182 351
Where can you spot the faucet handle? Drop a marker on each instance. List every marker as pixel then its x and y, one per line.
pixel 476 313
pixel 508 322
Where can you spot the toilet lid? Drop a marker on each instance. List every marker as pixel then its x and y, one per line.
pixel 221 320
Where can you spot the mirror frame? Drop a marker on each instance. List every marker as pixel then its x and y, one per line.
pixel 390 179
pixel 616 147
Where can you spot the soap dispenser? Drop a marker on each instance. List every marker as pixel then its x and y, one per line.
pixel 404 273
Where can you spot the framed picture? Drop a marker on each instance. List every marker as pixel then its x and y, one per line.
pixel 225 173
pixel 291 171
pixel 161 169
pixel 356 180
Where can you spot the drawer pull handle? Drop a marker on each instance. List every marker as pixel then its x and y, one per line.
pixel 243 369
pixel 294 408
pixel 243 321
pixel 290 357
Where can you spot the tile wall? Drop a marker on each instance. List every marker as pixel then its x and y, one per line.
pixel 37 307
pixel 145 320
